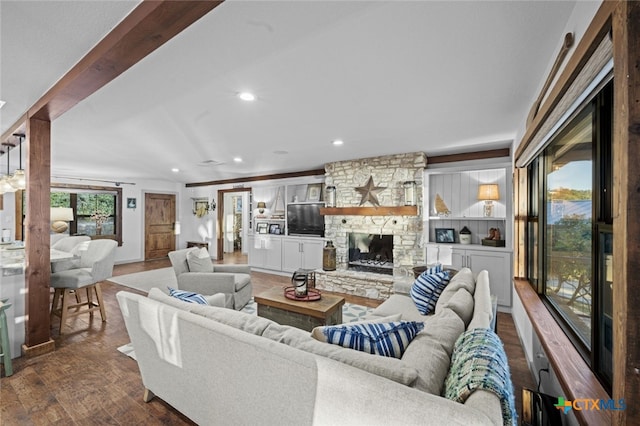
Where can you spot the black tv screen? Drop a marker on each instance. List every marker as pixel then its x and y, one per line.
pixel 305 219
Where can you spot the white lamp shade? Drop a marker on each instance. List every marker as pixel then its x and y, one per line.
pixel 64 214
pixel 18 180
pixel 5 185
pixel 488 192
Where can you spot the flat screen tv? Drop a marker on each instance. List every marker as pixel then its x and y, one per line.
pixel 305 219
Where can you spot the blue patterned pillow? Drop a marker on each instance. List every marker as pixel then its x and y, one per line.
pixel 187 296
pixel 388 339
pixel 427 288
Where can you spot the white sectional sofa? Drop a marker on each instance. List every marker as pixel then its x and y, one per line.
pixel 219 366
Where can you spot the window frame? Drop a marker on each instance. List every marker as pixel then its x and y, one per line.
pixel 66 187
pixel 601 222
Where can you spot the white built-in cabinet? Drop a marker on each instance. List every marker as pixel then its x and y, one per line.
pixel 457 188
pixel 281 252
pixel 265 252
pixel 303 253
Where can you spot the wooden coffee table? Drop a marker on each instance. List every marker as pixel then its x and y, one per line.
pixel 273 305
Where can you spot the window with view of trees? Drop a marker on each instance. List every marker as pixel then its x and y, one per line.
pixel 570 237
pixel 96 210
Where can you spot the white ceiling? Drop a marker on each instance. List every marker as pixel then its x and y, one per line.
pixel 386 77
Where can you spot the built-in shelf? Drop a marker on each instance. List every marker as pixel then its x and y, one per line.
pixel 370 211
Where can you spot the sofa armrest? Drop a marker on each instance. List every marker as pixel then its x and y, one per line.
pixel 207 283
pixel 233 269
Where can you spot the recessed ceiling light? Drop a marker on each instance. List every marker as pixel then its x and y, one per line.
pixel 246 96
pixel 237 159
pixel 175 170
pixel 337 142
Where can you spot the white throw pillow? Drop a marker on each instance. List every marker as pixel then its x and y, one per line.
pixel 199 261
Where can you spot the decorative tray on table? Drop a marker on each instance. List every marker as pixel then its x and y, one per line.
pixel 312 294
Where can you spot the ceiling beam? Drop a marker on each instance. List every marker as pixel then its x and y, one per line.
pixel 150 25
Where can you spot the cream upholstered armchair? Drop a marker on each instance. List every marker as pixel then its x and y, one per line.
pixel 95 264
pixel 196 272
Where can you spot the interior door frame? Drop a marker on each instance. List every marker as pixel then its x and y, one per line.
pixel 220 218
pixel 142 205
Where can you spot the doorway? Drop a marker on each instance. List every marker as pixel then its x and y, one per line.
pixel 159 222
pixel 233 223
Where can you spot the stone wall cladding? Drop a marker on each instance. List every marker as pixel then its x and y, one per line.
pixel 391 172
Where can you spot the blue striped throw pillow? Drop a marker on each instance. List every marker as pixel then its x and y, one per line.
pixel 427 288
pixel 187 296
pixel 388 339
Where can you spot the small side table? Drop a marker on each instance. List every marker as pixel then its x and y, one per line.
pixel 200 244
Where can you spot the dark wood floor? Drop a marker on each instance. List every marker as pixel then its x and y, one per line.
pixel 86 381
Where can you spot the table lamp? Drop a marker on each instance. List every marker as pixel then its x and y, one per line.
pixel 488 193
pixel 60 216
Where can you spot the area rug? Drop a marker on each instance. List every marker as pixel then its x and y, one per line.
pixel 350 313
pixel 146 280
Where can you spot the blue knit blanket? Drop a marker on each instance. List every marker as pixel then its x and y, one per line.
pixel 479 362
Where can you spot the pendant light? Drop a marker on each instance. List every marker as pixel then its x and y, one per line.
pixel 5 184
pixel 19 179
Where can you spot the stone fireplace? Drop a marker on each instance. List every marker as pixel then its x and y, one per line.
pixel 404 232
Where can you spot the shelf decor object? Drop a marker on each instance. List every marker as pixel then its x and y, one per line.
pixel 409 193
pixel 370 192
pixel 331 196
pixel 488 193
pixel 261 206
pixel 441 207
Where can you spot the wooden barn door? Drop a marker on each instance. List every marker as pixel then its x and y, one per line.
pixel 159 220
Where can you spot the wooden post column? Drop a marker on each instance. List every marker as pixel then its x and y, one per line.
pixel 37 241
pixel 626 226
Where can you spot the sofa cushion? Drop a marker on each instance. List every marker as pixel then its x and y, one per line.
pixel 430 352
pixel 241 320
pixel 218 299
pixel 187 296
pixel 318 333
pixel 463 279
pixel 199 261
pixel 397 303
pixel 161 296
pixel 461 303
pixel 426 290
pixel 390 368
pixel 387 339
pixel 483 307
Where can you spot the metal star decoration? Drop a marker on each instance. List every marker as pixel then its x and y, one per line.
pixel 370 192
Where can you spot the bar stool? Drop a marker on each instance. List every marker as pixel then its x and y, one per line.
pixel 5 348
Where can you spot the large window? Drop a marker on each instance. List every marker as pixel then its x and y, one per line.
pixel 96 210
pixel 570 237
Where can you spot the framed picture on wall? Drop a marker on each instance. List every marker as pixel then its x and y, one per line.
pixel 262 227
pixel 131 203
pixel 445 235
pixel 313 191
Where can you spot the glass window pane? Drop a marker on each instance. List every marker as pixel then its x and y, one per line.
pixel 568 225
